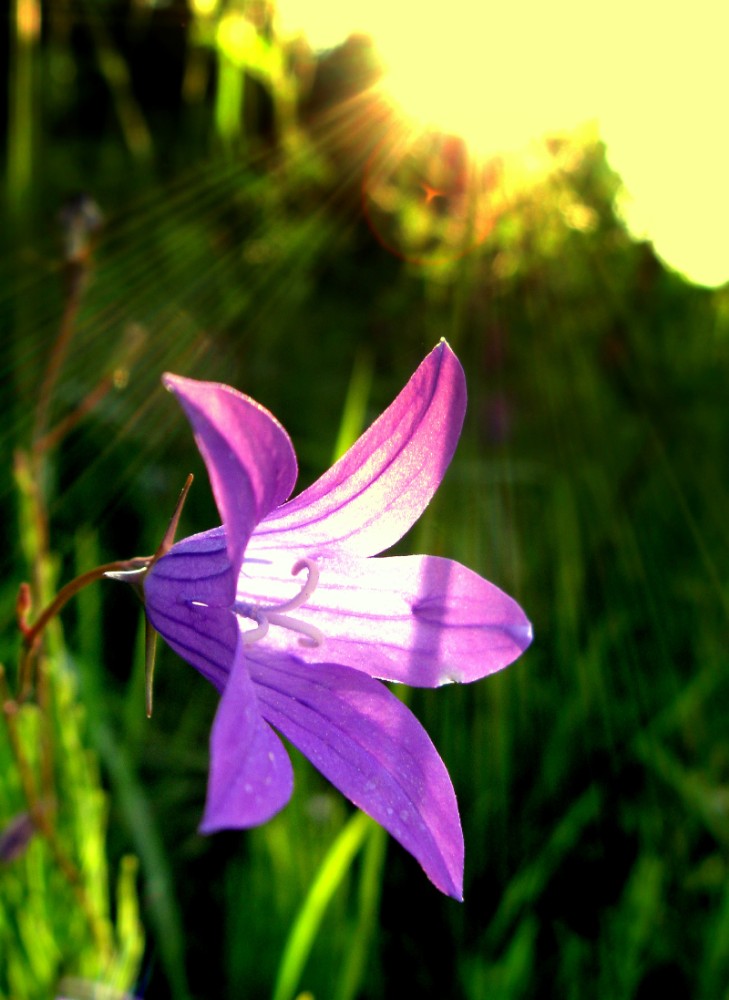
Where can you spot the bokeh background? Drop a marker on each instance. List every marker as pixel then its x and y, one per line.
pixel 301 202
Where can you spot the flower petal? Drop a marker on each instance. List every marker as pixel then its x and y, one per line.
pixel 249 456
pixel 205 636
pixel 421 620
pixel 379 488
pixel 250 773
pixel 195 569
pixel 251 777
pixel 373 749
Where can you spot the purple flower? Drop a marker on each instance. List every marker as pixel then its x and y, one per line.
pixel 283 609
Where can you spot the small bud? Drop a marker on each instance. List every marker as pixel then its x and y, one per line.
pixel 15 837
pixel 23 605
pixel 80 220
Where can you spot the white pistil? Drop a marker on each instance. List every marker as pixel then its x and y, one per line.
pixel 276 614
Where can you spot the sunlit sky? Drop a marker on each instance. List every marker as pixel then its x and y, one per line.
pixel 652 74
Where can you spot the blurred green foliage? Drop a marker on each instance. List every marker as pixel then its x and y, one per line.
pixel 253 235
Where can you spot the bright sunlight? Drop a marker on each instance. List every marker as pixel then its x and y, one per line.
pixel 651 75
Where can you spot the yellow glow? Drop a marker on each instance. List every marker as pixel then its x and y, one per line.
pixel 494 74
pixel 204 8
pixel 666 134
pixel 654 76
pixel 324 23
pixel 236 34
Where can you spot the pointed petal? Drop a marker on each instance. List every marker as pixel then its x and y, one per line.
pixel 379 488
pixel 250 772
pixel 251 777
pixel 420 620
pixel 249 456
pixel 373 749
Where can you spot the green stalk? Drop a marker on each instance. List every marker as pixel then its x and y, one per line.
pixel 368 905
pixel 25 23
pixel 335 866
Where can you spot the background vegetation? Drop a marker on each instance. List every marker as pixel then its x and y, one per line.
pixel 262 226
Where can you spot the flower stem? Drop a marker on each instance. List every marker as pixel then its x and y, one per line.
pixel 56 359
pixel 32 633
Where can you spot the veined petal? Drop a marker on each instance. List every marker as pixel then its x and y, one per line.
pixel 248 455
pixel 373 749
pixel 195 569
pixel 379 488
pixel 421 620
pixel 250 773
pixel 205 636
pixel 250 777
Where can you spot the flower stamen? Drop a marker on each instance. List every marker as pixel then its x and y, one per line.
pixel 277 614
pixel 312 579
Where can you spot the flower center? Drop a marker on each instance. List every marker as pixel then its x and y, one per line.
pixel 277 614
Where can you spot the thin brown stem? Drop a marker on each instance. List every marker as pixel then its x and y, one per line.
pixel 56 359
pixel 132 344
pixel 33 632
pixel 57 433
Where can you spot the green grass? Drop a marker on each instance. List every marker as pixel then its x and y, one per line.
pixel 590 483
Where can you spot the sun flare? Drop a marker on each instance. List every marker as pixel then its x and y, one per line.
pixel 652 77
